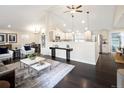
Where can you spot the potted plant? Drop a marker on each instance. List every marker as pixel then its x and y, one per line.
pixel 31 56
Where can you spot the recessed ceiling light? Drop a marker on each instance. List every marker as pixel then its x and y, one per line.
pixel 9 26
pixel 64 25
pixel 86 28
pixel 83 21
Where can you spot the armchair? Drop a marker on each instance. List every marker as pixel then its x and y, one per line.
pixel 25 52
pixel 6 56
pixel 9 76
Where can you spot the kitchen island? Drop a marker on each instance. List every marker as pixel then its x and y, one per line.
pixel 85 52
pixel 53 52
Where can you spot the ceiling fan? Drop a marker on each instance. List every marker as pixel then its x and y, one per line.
pixel 74 9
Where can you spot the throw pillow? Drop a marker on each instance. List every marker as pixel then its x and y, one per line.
pixel 3 50
pixel 27 48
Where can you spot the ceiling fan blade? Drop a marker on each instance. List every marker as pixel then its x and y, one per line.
pixel 68 7
pixel 66 11
pixel 79 11
pixel 78 6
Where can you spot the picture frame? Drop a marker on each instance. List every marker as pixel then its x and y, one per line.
pixel 3 38
pixel 12 38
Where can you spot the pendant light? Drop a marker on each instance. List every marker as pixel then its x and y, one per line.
pixel 88 34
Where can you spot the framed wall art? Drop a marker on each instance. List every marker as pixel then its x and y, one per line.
pixel 12 38
pixel 3 37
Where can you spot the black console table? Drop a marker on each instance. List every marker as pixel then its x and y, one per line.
pixel 53 52
pixel 16 54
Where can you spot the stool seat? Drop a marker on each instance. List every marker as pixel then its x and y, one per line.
pixel 4 84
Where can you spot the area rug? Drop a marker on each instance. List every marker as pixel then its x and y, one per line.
pixel 46 79
pixel 118 58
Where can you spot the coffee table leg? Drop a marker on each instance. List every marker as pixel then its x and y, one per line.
pixel 38 74
pixel 20 65
pixel 28 69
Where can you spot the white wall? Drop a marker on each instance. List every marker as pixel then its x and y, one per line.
pixel 23 37
pixel 85 52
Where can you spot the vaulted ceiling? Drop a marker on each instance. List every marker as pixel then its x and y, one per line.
pixel 21 16
pixel 101 17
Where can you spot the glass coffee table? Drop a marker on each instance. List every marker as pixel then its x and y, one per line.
pixel 38 67
pixel 29 62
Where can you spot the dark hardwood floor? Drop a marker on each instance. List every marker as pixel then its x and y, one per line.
pixel 103 75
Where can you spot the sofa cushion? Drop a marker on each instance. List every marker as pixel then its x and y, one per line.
pixel 27 48
pixel 5 55
pixel 3 50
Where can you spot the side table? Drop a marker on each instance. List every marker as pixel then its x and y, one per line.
pixel 16 54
